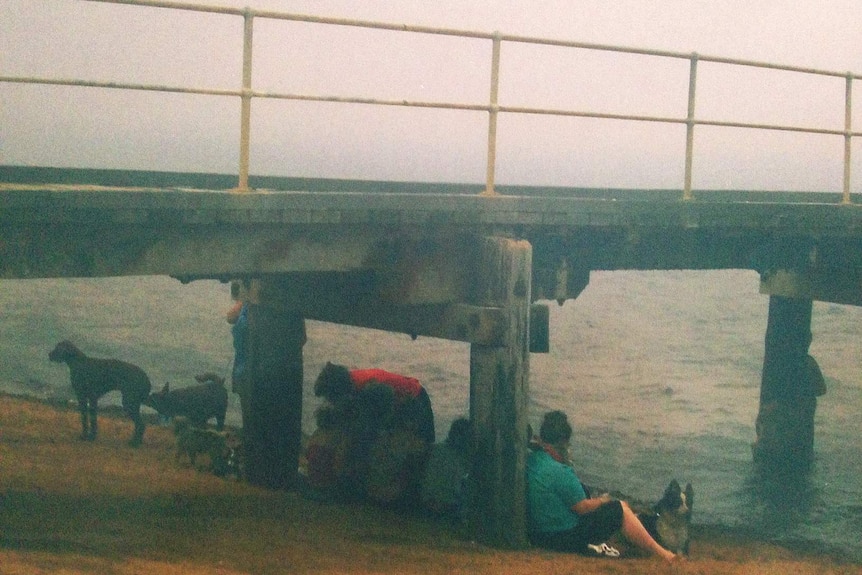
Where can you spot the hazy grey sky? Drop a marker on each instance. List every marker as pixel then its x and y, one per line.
pixel 49 125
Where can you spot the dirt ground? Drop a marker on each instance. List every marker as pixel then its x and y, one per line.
pixel 74 507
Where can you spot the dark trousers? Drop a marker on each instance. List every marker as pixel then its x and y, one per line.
pixel 592 528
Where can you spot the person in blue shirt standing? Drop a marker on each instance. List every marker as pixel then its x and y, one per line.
pixel 561 516
pixel 237 316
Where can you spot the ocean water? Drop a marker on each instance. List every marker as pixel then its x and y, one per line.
pixel 658 371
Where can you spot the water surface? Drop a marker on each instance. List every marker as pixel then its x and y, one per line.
pixel 659 372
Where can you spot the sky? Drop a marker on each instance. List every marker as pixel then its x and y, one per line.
pixel 86 127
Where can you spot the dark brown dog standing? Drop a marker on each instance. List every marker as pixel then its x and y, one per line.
pixel 199 403
pixel 92 378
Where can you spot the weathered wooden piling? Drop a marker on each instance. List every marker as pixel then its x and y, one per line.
pixel 272 410
pixel 788 392
pixel 499 388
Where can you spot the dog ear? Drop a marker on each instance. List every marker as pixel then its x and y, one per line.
pixel 674 487
pixel 689 495
pixel 167 387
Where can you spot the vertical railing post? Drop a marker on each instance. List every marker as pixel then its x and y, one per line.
pixel 245 114
pixel 848 135
pixel 493 110
pixel 689 128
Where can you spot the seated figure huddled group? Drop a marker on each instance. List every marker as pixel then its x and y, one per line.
pixel 374 438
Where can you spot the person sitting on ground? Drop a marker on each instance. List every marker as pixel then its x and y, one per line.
pixel 444 480
pixel 326 454
pixel 395 463
pixel 561 516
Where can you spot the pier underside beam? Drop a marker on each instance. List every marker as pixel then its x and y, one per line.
pixel 499 388
pixel 353 299
pixel 837 286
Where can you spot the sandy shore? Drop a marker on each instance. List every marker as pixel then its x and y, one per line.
pixel 73 507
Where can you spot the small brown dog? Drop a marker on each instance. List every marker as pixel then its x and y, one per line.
pixel 193 441
pixel 92 378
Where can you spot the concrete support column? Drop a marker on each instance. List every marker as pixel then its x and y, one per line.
pixel 789 386
pixel 272 404
pixel 499 386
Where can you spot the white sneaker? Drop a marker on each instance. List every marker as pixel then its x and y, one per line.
pixel 603 550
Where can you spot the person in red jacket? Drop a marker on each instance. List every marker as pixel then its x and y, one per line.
pixel 340 385
pixel 388 423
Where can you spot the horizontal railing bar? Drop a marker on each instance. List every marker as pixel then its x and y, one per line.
pixel 177 6
pixel 274 15
pixel 675 54
pixel 373 25
pixel 781 67
pixel 372 101
pixel 549 112
pixel 725 124
pixel 582 114
pixel 419 104
pixel 120 85
pixel 667 120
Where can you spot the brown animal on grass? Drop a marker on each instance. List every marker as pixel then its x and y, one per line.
pixel 193 441
pixel 92 378
pixel 199 402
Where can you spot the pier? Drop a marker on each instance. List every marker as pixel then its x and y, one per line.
pixel 477 263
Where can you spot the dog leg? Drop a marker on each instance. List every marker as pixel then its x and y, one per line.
pixel 92 408
pixel 132 407
pixel 82 411
pixel 138 437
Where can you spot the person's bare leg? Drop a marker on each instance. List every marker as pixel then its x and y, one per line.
pixel 636 533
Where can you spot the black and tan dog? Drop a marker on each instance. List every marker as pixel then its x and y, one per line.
pixel 92 378
pixel 193 441
pixel 669 521
pixel 199 403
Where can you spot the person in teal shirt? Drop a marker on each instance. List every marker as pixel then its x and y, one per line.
pixel 561 515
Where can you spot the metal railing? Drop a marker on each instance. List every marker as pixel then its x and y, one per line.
pixel 246 93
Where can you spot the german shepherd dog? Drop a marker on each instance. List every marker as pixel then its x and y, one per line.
pixel 199 402
pixel 92 378
pixel 670 518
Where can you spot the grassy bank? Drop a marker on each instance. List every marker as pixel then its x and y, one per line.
pixel 73 507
